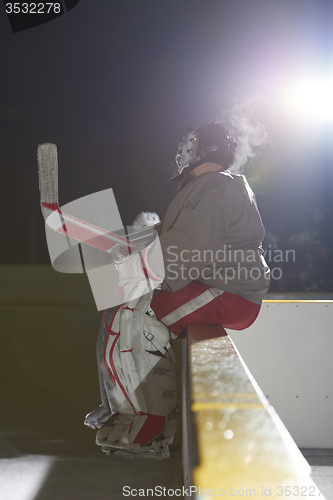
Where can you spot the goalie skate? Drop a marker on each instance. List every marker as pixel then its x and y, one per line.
pixel 128 433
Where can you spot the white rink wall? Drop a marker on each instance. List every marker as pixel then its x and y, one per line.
pixel 289 351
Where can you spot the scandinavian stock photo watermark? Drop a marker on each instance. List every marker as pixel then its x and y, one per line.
pixel 226 263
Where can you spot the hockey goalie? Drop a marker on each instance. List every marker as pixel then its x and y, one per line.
pixel 214 272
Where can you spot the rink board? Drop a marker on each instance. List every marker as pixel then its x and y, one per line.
pixel 289 352
pixel 242 447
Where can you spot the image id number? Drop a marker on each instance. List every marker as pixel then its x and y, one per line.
pixel 297 491
pixel 33 8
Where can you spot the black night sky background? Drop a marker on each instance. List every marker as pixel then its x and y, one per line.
pixel 116 83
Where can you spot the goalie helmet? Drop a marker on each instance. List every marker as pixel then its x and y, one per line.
pixel 210 142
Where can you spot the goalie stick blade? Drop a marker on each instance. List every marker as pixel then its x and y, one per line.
pixel 47 159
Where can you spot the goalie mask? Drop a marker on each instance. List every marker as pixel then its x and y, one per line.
pixel 211 142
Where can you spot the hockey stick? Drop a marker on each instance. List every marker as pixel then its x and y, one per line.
pixel 47 159
pixel 59 221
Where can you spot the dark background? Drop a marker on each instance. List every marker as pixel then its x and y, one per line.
pixel 116 83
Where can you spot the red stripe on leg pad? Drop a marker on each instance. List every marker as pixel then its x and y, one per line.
pixel 152 427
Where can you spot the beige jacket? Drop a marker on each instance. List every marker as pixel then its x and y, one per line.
pixel 212 232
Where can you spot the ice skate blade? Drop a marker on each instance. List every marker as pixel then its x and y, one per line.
pixel 97 418
pixel 92 425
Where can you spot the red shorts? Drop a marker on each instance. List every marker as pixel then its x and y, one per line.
pixel 229 310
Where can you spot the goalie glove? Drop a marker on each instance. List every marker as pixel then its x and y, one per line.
pixel 145 219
